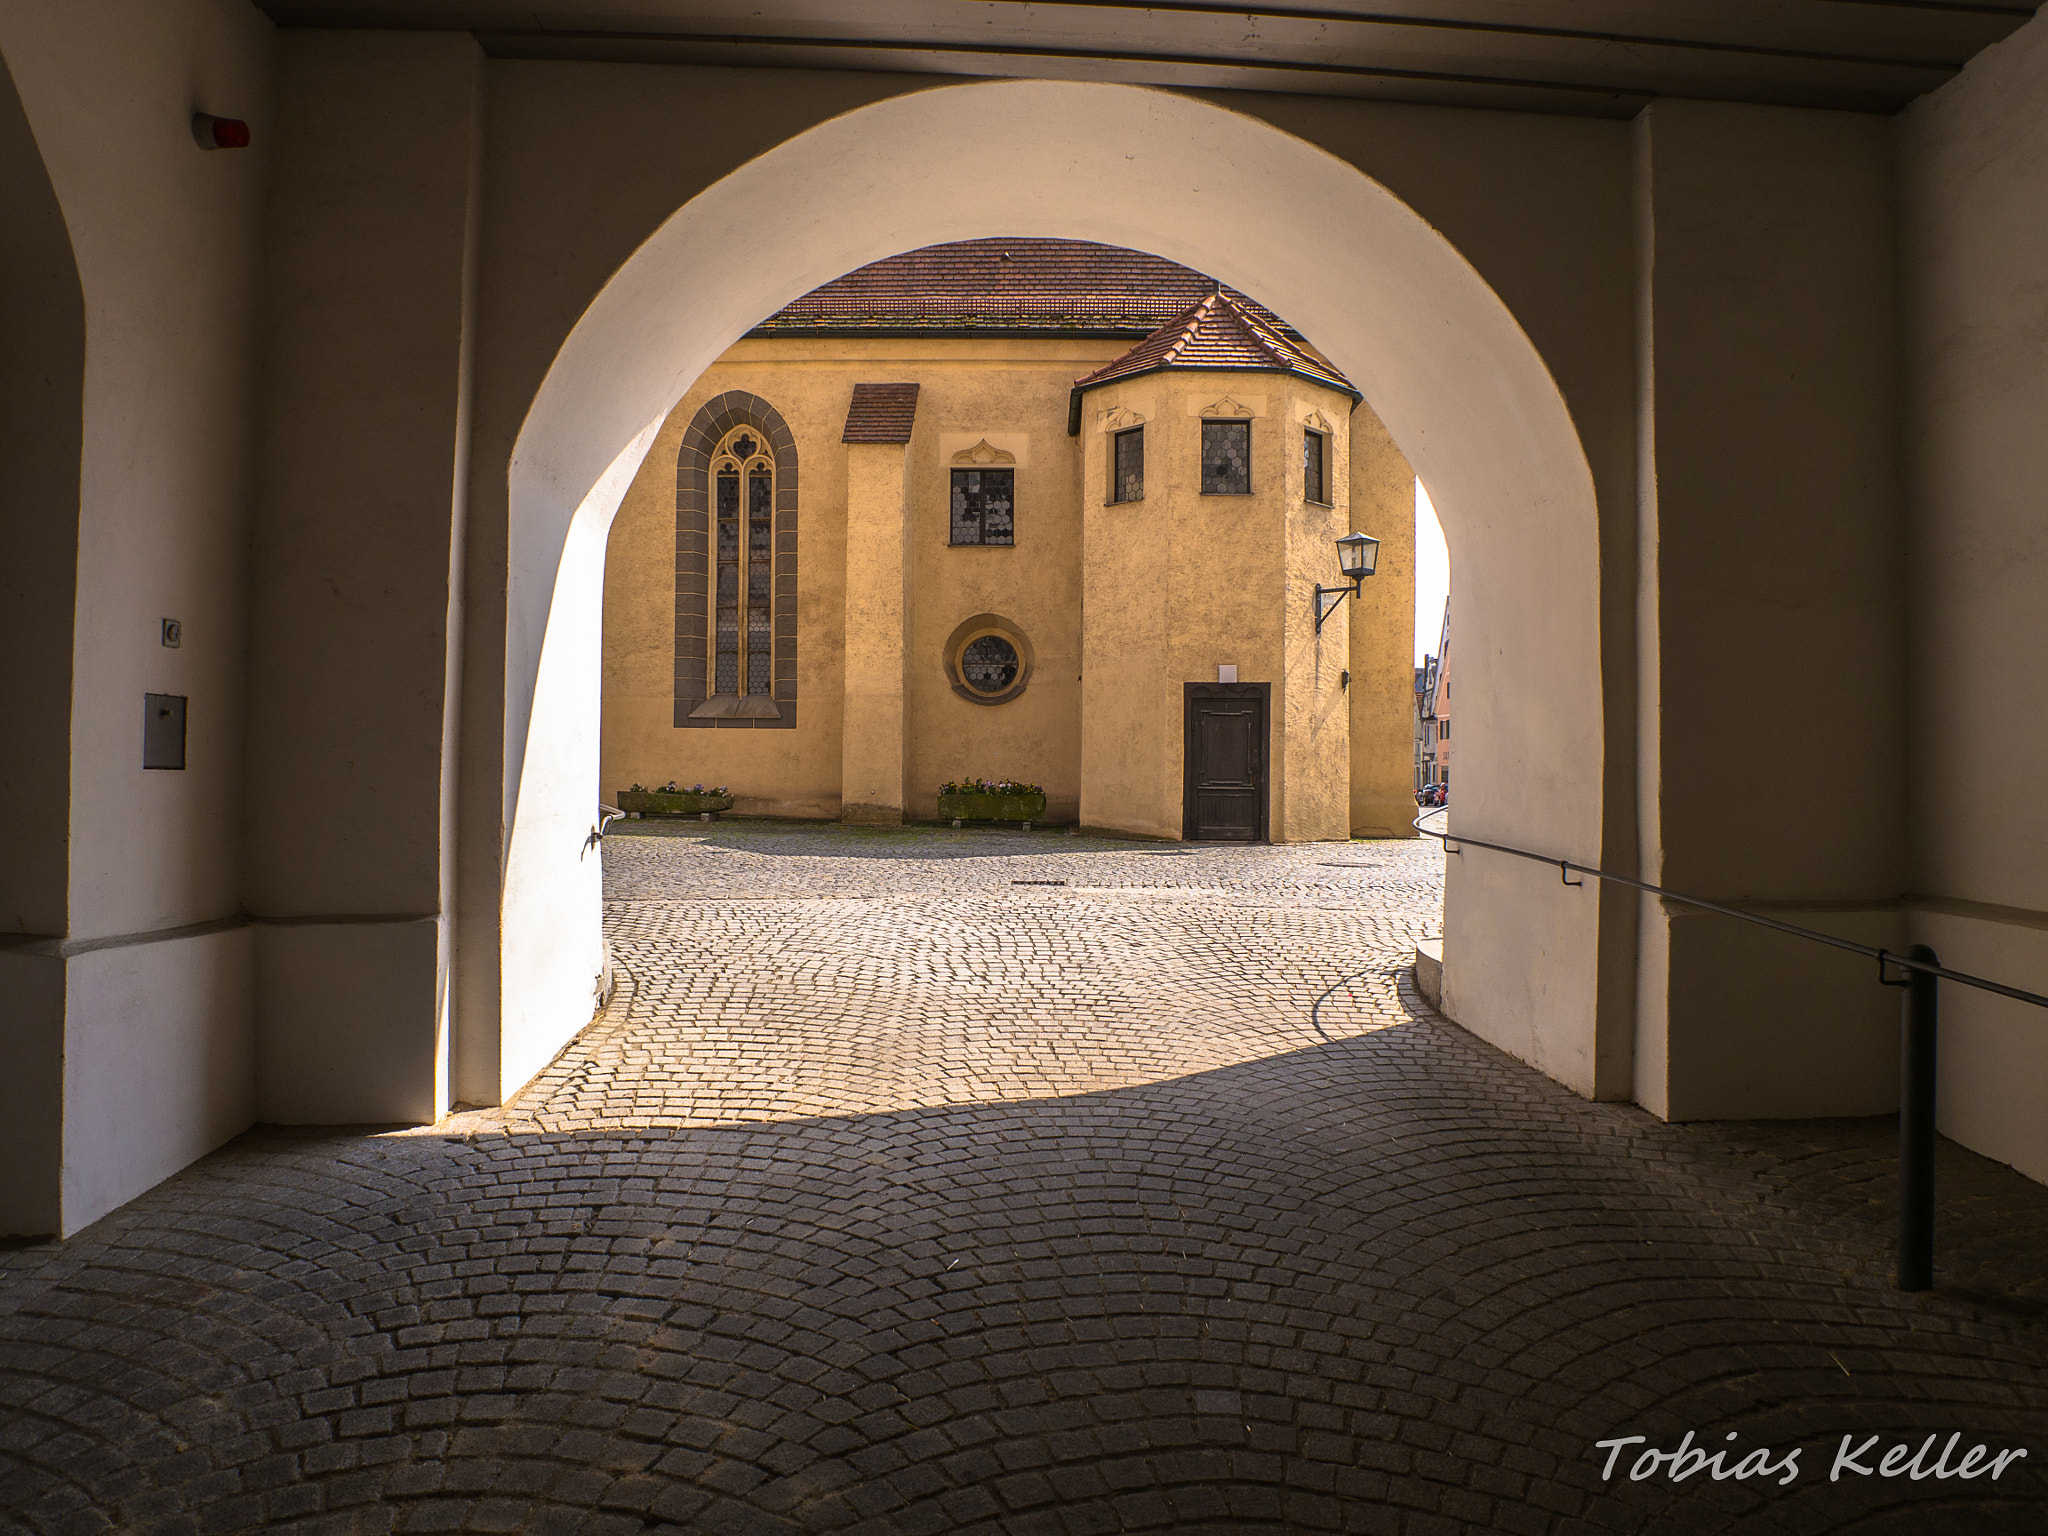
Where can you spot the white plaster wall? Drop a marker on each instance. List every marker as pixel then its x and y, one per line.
pixel 357 492
pixel 161 1064
pixel 1772 636
pixel 360 495
pixel 1973 230
pixel 365 1051
pixel 32 1131
pixel 1993 1086
pixel 166 239
pixel 553 957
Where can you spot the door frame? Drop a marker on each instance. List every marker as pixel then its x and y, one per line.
pixel 1263 692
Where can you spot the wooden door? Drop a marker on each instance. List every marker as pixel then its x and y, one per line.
pixel 1225 796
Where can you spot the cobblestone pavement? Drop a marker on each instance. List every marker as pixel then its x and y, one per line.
pixel 769 973
pixel 1168 1245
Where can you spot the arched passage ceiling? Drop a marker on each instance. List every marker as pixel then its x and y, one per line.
pixel 1603 58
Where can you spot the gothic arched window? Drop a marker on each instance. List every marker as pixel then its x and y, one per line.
pixel 736 567
pixel 742 617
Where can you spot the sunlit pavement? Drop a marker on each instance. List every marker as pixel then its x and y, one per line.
pixel 900 1190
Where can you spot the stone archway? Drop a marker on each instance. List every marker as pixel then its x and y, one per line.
pixel 1435 351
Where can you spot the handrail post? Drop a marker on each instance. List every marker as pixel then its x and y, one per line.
pixel 1917 1060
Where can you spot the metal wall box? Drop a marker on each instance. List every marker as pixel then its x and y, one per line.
pixel 163 730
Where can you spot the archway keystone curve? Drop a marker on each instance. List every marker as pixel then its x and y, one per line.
pixel 1434 350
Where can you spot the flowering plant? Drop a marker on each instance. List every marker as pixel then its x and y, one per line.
pixel 671 788
pixel 989 787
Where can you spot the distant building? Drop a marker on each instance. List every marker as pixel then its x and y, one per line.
pixel 1433 712
pixel 1421 684
pixel 1071 537
pixel 1425 726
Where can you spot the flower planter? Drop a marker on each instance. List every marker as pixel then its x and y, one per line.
pixel 653 802
pixel 992 807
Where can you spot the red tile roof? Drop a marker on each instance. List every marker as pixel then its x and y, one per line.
pixel 1219 332
pixel 881 413
pixel 1007 285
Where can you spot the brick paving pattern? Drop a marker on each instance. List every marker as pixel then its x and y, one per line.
pixel 892 1196
pixel 770 974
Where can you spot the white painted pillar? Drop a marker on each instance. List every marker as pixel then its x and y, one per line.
pixel 357 565
pixel 1771 620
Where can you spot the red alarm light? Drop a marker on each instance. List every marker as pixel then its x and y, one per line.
pixel 219 132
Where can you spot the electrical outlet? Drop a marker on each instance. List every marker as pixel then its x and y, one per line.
pixel 174 633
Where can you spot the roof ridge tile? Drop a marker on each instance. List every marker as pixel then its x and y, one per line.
pixel 1004 284
pixel 1218 333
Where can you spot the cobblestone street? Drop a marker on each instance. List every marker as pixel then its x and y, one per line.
pixel 771 974
pixel 935 1181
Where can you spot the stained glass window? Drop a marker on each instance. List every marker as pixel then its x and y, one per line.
pixel 989 664
pixel 743 616
pixel 726 616
pixel 1226 458
pixel 760 581
pixel 1129 482
pixel 984 503
pixel 1312 466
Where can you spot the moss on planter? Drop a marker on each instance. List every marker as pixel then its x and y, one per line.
pixel 654 802
pixel 992 807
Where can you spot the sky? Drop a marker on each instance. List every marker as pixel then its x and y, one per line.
pixel 1432 576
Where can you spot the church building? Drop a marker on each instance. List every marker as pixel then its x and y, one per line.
pixel 1020 509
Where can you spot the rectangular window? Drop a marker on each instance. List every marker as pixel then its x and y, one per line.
pixel 1226 458
pixel 1127 475
pixel 984 506
pixel 1312 467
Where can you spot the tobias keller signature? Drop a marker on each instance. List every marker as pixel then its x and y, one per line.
pixel 1860 1460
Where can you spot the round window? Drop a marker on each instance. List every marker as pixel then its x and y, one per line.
pixel 988 659
pixel 989 664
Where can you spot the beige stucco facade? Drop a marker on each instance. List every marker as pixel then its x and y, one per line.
pixel 1382 624
pixel 1180 584
pixel 1114 607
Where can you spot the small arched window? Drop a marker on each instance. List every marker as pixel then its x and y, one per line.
pixel 743 545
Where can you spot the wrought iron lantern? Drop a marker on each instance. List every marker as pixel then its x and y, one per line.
pixel 1358 556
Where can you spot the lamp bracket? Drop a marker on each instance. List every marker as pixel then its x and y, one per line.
pixel 1330 599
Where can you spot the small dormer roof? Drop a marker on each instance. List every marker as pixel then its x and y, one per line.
pixel 881 413
pixel 1219 334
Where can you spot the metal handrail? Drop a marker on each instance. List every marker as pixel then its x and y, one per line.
pixel 607 814
pixel 1917 1043
pixel 1883 957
